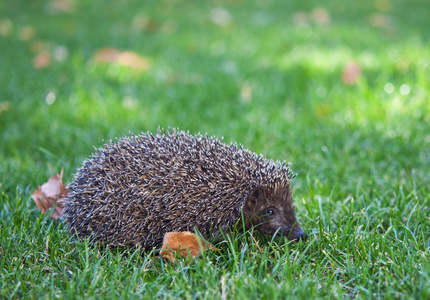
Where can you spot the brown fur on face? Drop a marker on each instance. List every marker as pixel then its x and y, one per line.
pixel 270 210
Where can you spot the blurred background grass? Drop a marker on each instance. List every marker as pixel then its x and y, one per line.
pixel 264 73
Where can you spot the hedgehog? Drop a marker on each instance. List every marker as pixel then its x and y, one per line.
pixel 133 191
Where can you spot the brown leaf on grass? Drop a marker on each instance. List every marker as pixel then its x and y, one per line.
pixel 351 73
pixel 6 27
pixel 142 22
pixel 123 58
pixel 46 54
pixel 50 194
pixel 26 33
pixel 39 46
pixel 301 18
pixel 4 106
pixel 183 243
pixel 42 60
pixel 321 16
pixel 63 6
pixel 107 55
pixel 381 21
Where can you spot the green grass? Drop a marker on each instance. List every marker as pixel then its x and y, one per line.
pixel 362 152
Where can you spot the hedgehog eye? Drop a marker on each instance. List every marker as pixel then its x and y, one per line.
pixel 270 212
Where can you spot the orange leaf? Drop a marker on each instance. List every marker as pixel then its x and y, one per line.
pixel 4 106
pixel 184 243
pixel 42 60
pixel 107 55
pixel 123 58
pixel 6 27
pixel 50 194
pixel 64 6
pixel 301 19
pixel 321 16
pixel 381 21
pixel 26 33
pixel 351 73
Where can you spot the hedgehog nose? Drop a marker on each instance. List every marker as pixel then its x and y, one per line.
pixel 302 236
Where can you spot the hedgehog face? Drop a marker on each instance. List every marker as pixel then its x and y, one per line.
pixel 271 210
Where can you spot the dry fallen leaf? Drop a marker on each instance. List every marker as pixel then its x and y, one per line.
pixel 4 106
pixel 106 55
pixel 6 27
pixel 184 243
pixel 351 73
pixel 42 60
pixel 142 22
pixel 381 21
pixel 46 54
pixel 321 16
pixel 123 58
pixel 301 19
pixel 38 46
pixel 26 33
pixel 63 6
pixel 50 194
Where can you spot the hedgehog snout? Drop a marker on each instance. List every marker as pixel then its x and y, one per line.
pixel 294 234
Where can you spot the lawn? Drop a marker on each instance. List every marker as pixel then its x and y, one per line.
pixel 271 75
